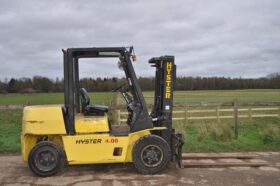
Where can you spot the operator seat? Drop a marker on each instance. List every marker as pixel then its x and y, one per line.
pixel 91 110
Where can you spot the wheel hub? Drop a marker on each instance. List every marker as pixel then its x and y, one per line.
pixel 45 160
pixel 151 156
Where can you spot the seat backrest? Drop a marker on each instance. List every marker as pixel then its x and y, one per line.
pixel 84 98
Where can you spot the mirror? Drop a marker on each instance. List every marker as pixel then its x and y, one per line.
pixel 120 63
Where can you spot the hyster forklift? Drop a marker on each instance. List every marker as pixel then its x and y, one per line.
pixel 80 133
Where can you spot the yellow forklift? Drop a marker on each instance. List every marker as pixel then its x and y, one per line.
pixel 80 133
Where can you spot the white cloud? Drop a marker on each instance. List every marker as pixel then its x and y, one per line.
pixel 208 38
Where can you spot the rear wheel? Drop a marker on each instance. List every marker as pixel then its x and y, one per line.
pixel 151 154
pixel 46 159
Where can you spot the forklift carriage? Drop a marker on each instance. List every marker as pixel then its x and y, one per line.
pixel 80 133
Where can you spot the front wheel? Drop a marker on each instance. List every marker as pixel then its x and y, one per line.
pixel 46 159
pixel 151 154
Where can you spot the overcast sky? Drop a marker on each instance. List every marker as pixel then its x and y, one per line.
pixel 237 38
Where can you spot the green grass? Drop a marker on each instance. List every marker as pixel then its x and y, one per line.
pixel 179 96
pixel 224 95
pixel 49 98
pixel 255 135
pixel 10 128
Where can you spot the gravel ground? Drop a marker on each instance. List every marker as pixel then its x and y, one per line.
pixel 13 171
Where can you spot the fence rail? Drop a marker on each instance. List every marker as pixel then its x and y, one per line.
pixel 184 112
pixel 5 107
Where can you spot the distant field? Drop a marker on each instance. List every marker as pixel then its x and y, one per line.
pixel 180 96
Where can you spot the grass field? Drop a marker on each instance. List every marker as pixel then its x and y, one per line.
pixel 256 135
pixel 179 96
pixel 10 128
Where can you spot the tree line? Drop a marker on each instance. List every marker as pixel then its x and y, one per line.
pixel 44 84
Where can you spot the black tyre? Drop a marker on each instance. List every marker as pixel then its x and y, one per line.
pixel 151 154
pixel 46 159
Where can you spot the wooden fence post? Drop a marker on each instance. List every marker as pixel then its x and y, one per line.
pixel 235 118
pixel 118 112
pixel 218 113
pixel 250 113
pixel 186 114
pixel 118 116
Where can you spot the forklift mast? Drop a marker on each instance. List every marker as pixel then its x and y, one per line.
pixel 163 99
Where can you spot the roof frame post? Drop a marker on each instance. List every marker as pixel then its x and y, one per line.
pixel 69 91
pixel 77 85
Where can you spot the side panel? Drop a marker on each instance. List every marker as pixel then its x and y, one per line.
pixel 40 120
pixel 133 138
pixel 27 143
pixel 91 124
pixel 99 148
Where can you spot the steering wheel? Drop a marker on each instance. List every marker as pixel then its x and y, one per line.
pixel 123 90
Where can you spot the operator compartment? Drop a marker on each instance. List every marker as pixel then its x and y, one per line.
pixel 91 124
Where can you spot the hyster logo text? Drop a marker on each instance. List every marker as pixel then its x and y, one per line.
pixel 88 141
pixel 168 80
